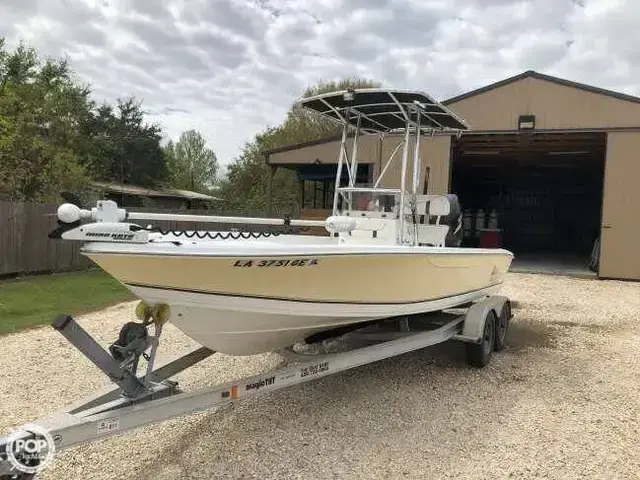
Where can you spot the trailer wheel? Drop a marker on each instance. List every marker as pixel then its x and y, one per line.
pixel 479 354
pixel 502 326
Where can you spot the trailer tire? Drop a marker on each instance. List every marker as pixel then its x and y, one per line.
pixel 502 326
pixel 479 354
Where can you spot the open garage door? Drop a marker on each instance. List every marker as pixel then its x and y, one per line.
pixel 545 190
pixel 619 243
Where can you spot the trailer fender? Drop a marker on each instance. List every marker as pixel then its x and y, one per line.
pixel 473 324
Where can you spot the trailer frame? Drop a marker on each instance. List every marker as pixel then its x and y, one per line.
pixel 135 401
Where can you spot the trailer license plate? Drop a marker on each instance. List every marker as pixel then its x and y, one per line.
pixel 314 369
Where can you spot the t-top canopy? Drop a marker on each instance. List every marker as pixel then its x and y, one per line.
pixel 383 110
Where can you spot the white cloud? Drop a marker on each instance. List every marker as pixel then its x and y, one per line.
pixel 230 67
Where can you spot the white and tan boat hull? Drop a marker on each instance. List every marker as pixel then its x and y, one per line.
pixel 241 303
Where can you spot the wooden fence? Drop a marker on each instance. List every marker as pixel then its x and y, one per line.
pixel 25 247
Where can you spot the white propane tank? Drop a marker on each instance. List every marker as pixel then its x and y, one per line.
pixel 480 219
pixel 493 219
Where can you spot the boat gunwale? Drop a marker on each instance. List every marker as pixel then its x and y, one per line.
pixel 269 253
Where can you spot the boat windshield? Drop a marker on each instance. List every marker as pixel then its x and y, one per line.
pixel 373 200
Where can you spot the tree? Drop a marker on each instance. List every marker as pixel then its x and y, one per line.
pixel 301 125
pixel 245 188
pixel 40 109
pixel 121 147
pixel 54 137
pixel 192 166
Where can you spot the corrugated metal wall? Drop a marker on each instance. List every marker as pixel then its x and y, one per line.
pixel 434 152
pixel 555 107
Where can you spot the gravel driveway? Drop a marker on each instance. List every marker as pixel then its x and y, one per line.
pixel 562 401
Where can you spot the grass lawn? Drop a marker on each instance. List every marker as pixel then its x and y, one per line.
pixel 37 300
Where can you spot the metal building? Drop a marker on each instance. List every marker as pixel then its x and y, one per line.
pixel 556 162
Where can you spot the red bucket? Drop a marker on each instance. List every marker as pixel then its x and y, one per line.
pixel 490 238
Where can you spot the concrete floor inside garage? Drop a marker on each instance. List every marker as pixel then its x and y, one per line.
pixel 552 264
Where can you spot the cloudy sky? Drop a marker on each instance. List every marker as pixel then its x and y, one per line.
pixel 230 67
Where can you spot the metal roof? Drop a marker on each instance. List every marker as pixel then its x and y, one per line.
pixel 148 192
pixel 545 77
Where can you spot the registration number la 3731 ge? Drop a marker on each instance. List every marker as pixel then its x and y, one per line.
pixel 298 262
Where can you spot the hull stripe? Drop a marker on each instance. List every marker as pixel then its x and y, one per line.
pixel 301 300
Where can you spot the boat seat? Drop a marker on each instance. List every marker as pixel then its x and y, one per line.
pixel 422 205
pixel 429 206
pixel 454 220
pixel 432 235
pixel 443 220
pixel 439 206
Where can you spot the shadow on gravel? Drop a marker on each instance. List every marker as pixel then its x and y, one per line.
pixel 524 333
pixel 589 327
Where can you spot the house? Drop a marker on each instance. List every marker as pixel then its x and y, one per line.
pixel 167 198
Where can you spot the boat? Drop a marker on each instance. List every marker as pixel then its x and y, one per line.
pixel 389 252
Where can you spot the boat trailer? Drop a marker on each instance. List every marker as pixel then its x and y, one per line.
pixel 138 400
